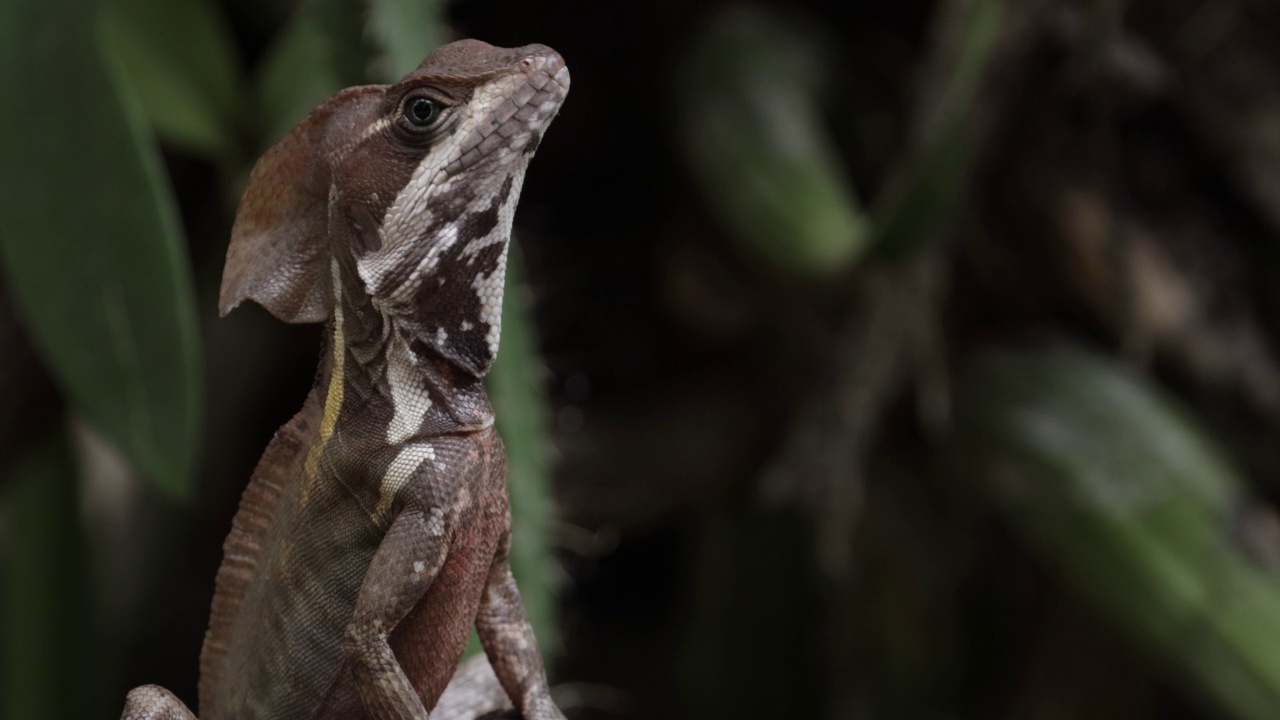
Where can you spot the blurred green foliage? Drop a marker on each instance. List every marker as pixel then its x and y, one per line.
pixel 750 124
pixel 181 62
pixel 323 49
pixel 1123 492
pixel 48 619
pixel 1096 468
pixel 755 130
pixel 91 242
pixel 924 200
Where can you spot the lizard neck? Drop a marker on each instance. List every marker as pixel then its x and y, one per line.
pixel 385 384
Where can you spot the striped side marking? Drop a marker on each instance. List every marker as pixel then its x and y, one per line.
pixel 333 401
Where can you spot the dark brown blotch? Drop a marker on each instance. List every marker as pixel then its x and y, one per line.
pixel 455 306
pixel 482 222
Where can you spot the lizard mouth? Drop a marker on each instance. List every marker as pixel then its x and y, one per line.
pixel 538 102
pixel 548 109
pixel 526 98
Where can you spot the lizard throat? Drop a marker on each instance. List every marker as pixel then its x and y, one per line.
pixel 450 298
pixel 395 387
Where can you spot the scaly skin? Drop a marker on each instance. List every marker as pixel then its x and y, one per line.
pixel 376 529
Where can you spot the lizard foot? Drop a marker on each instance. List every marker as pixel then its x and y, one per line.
pixel 152 702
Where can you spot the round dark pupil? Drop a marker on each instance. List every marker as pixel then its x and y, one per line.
pixel 422 111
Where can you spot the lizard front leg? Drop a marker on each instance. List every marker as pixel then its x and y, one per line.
pixel 509 642
pixel 403 568
pixel 152 702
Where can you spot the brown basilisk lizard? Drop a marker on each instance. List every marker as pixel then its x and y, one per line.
pixel 375 531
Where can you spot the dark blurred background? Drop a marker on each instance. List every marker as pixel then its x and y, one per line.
pixel 860 359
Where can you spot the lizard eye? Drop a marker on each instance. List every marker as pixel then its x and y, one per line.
pixel 422 112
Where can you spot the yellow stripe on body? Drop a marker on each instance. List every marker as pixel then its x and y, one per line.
pixel 333 400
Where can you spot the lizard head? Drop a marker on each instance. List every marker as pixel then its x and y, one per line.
pixel 409 187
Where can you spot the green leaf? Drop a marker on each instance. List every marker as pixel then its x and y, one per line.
pixel 520 405
pixel 323 50
pixel 924 206
pixel 179 56
pixel 1114 485
pixel 90 241
pixel 34 561
pixel 406 30
pixel 925 202
pixel 750 126
pixel 47 612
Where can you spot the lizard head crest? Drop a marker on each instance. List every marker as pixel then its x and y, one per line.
pixel 410 187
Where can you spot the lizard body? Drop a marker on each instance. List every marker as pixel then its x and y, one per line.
pixel 375 530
